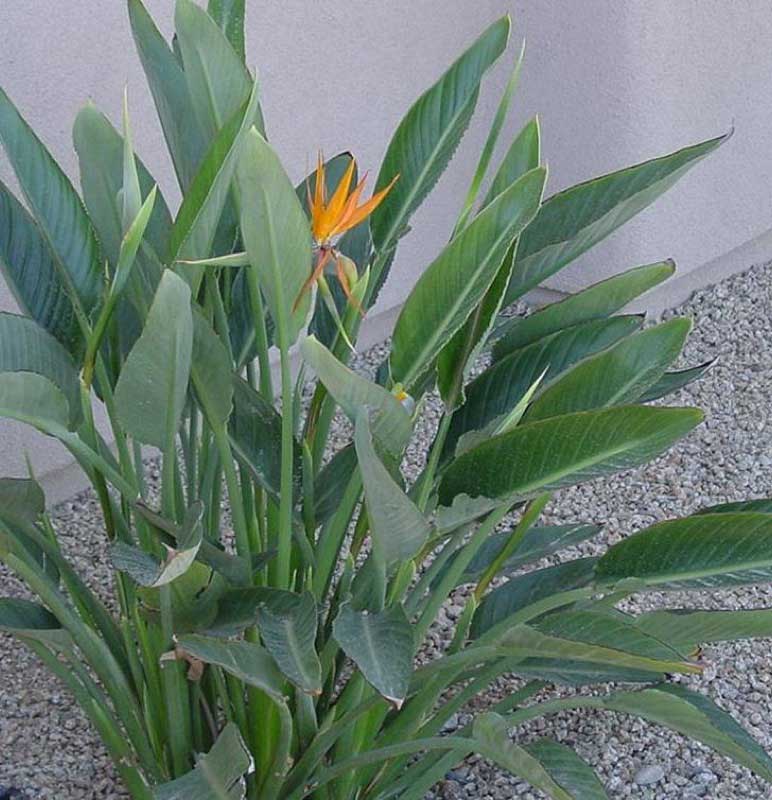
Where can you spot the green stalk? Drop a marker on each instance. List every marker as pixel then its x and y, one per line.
pixel 287 453
pixel 240 525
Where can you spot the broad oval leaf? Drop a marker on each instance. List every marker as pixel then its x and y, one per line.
pixel 30 398
pixel 288 625
pixel 567 769
pixel 523 155
pixel 427 137
pixel 595 302
pixel 381 645
pixel 615 376
pixel 571 222
pixel 26 347
pixel 565 450
pixel 673 381
pixel 27 620
pixel 56 207
pixel 392 424
pixel 698 552
pixel 32 276
pixel 21 501
pixel 169 88
pixel 398 527
pixel 211 372
pixel 218 775
pixel 456 282
pixel 229 15
pixel 153 383
pixel 494 393
pixel 277 236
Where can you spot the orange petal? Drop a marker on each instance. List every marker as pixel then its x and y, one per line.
pixel 320 190
pixel 342 223
pixel 367 208
pixel 338 200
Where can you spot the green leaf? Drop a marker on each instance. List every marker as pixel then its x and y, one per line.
pixel 538 542
pixel 331 483
pixel 31 273
pixel 30 398
pixel 427 137
pixel 218 81
pixel 196 224
pixel 146 570
pixel 453 285
pixel 703 551
pixel 595 302
pixel 26 347
pixel 615 376
pixel 56 207
pixel 100 156
pixel 229 15
pixel 27 620
pixel 288 625
pixel 491 740
pixel 22 501
pixel 762 504
pixel 391 426
pixel 398 527
pixel 673 381
pixel 255 433
pixel 697 717
pixel 276 234
pixel 219 775
pixel 559 451
pixel 211 372
pixel 686 629
pixel 493 394
pixel 381 645
pixel 246 661
pixel 152 387
pixel 572 221
pixel 567 769
pixel 525 590
pixel 169 88
pixel 523 155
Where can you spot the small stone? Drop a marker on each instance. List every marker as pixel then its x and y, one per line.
pixel 649 775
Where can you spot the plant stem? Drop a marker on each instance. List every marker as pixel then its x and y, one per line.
pixel 287 456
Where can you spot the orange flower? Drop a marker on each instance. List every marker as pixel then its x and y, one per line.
pixel 342 212
pixel 330 219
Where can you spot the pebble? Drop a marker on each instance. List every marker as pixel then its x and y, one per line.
pixel 649 775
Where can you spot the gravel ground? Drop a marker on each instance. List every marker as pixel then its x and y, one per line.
pixel 47 747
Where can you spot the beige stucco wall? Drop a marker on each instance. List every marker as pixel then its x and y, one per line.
pixel 614 83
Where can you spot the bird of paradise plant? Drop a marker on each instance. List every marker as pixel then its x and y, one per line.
pixel 271 653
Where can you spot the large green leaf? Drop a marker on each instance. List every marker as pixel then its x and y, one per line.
pixel 381 645
pixel 688 628
pixel 427 137
pixel 571 222
pixel 255 433
pixel 211 372
pixel 30 271
pixel 146 570
pixel 288 625
pixel 533 587
pixel 100 156
pixel 332 481
pixel 697 717
pixel 30 398
pixel 524 154
pixel 615 376
pixel 761 504
pixel 169 88
pixel 491 739
pixel 219 775
pixel 392 424
pixel 26 347
pixel 229 15
pixel 567 769
pixel 673 381
pixel 276 234
pixel 565 450
pixel 494 393
pixel 218 81
pixel 595 302
pixel 55 205
pixel 246 661
pixel 28 620
pixel 21 501
pixel 703 551
pixel 153 384
pixel 453 285
pixel 202 207
pixel 398 527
